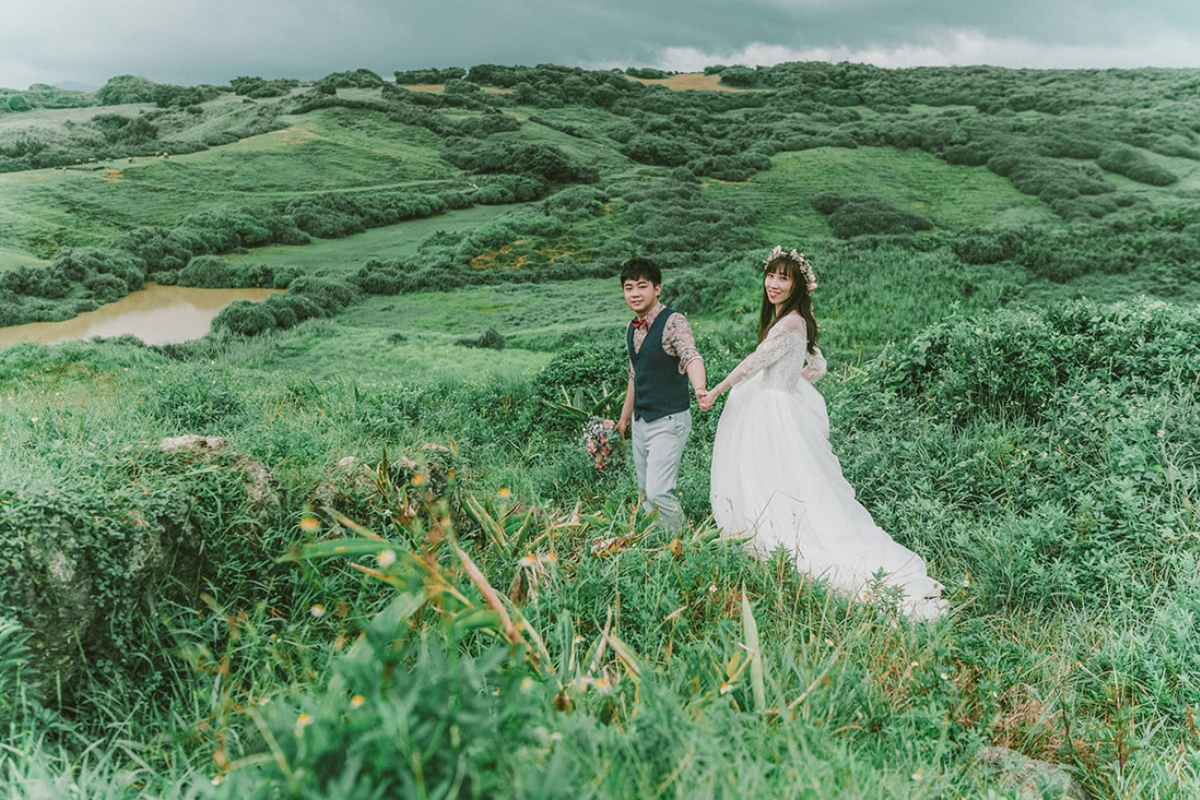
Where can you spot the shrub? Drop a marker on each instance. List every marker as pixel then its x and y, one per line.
pixel 1134 165
pixel 360 78
pixel 859 215
pixel 12 311
pixel 971 154
pixel 209 272
pixel 125 89
pixel 543 160
pixel 658 151
pixel 730 168
pixel 381 277
pixel 256 87
pixel 587 370
pixel 215 272
pixel 1012 361
pixel 331 294
pixel 576 203
pixel 33 282
pixel 491 339
pixel 244 317
pixel 741 77
pixel 158 248
pixel 420 77
pixel 986 247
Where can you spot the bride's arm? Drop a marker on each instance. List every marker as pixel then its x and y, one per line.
pixel 814 367
pixel 769 350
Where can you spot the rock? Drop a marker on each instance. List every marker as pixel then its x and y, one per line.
pixel 262 487
pixel 1029 778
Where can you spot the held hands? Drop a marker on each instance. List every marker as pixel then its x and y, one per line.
pixel 706 398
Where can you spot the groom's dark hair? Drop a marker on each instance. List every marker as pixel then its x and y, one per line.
pixel 638 268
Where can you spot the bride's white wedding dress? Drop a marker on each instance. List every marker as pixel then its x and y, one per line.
pixel 777 483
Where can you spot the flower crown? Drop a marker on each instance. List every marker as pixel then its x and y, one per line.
pixel 800 260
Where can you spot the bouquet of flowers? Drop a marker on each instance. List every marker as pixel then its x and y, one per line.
pixel 602 441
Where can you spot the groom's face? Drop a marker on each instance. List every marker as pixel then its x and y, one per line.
pixel 641 295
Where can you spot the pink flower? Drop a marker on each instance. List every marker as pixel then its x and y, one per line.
pixel 609 424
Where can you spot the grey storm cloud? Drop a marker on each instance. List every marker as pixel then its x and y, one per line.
pixel 198 41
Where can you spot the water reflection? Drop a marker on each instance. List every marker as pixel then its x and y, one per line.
pixel 156 315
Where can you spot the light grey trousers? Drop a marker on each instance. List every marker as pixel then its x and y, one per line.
pixel 657 449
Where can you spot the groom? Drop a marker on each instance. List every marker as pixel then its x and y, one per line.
pixel 662 361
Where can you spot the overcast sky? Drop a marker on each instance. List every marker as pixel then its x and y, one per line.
pixel 212 41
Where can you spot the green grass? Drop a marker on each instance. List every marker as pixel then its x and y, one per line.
pixel 386 244
pixel 952 196
pixel 412 337
pixel 1071 660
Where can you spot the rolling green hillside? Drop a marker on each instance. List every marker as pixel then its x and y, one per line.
pixel 398 572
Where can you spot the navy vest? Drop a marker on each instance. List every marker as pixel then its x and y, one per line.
pixel 659 388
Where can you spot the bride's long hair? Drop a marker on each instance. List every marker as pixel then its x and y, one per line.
pixel 799 301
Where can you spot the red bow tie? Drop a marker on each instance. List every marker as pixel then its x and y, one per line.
pixel 638 322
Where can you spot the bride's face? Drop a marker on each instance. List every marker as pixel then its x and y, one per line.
pixel 778 285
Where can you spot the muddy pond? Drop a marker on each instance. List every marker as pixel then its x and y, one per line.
pixel 156 315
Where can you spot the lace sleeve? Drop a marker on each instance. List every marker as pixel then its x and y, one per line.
pixel 814 366
pixel 781 337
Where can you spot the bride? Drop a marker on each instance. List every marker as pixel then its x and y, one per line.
pixel 775 479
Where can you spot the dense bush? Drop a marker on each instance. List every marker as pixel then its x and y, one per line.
pixel 433 76
pixel 730 168
pixel 1048 178
pixel 867 214
pixel 125 89
pixel 214 272
pixel 576 203
pixel 1134 165
pixel 256 87
pixel 12 310
pixel 587 371
pixel 1011 363
pixel 985 246
pixel 360 78
pixel 543 160
pixel 659 151
pixel 34 282
pixel 159 248
pixel 490 339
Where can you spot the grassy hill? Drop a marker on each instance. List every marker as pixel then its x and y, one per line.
pixel 446 598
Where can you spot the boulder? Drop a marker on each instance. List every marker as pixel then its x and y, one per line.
pixel 1029 778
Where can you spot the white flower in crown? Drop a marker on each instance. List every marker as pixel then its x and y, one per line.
pixel 800 260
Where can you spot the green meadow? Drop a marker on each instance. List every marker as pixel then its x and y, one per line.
pixel 397 573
